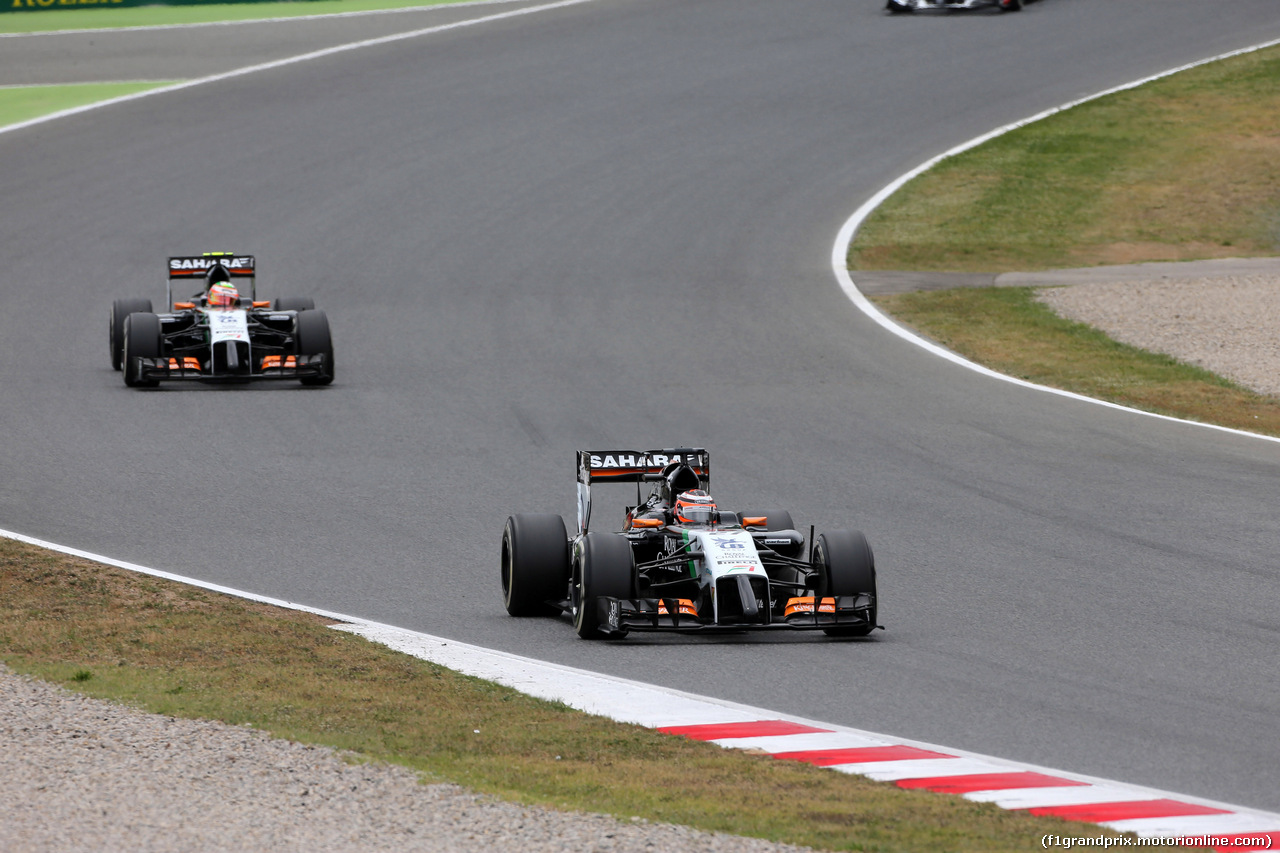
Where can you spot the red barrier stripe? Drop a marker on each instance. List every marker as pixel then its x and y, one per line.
pixel 858 755
pixel 1099 812
pixel 758 728
pixel 987 782
pixel 1257 838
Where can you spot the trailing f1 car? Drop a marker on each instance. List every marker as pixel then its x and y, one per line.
pixel 902 7
pixel 679 563
pixel 219 335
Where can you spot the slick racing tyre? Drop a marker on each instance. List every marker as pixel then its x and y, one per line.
pixel 775 519
pixel 1010 5
pixel 895 7
pixel 535 564
pixel 141 339
pixel 120 309
pixel 311 334
pixel 293 303
pixel 846 566
pixel 602 566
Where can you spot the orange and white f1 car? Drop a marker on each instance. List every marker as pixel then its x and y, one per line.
pixel 679 563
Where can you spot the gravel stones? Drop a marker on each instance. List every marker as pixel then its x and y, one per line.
pixel 1229 325
pixel 80 774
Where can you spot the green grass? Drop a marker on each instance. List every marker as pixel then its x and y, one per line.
pixel 1183 168
pixel 1006 329
pixel 179 650
pixel 21 104
pixel 149 16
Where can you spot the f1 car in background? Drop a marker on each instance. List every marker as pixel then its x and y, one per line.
pixel 905 7
pixel 219 334
pixel 679 563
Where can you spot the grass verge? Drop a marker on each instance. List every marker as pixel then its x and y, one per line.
pixel 54 20
pixel 183 651
pixel 1179 169
pixel 1006 329
pixel 1182 168
pixel 28 102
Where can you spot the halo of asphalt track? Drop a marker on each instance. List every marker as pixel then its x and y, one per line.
pixel 1064 585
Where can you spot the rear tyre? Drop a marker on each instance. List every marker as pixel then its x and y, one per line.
pixel 775 519
pixel 311 334
pixel 535 564
pixel 293 303
pixel 846 566
pixel 141 339
pixel 120 309
pixel 602 566
pixel 896 8
pixel 1010 5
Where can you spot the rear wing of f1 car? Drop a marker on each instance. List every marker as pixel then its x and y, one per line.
pixel 195 267
pixel 633 466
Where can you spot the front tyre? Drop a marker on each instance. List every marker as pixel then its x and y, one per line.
pixel 535 564
pixel 603 566
pixel 895 7
pixel 120 309
pixel 311 335
pixel 141 339
pixel 846 567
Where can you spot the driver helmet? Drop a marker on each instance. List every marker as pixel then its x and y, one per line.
pixel 695 507
pixel 223 295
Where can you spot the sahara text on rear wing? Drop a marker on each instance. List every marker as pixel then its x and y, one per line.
pixel 633 466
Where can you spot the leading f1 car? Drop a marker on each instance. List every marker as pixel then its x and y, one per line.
pixel 220 334
pixel 680 563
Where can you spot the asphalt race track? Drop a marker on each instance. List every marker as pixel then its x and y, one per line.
pixel 609 225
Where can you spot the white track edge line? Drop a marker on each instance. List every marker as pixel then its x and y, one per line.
pixel 523 666
pixel 194 24
pixel 844 239
pixel 280 63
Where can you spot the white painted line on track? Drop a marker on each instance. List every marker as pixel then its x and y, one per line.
pixel 1032 798
pixel 1009 784
pixel 840 250
pixel 292 60
pixel 280 20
